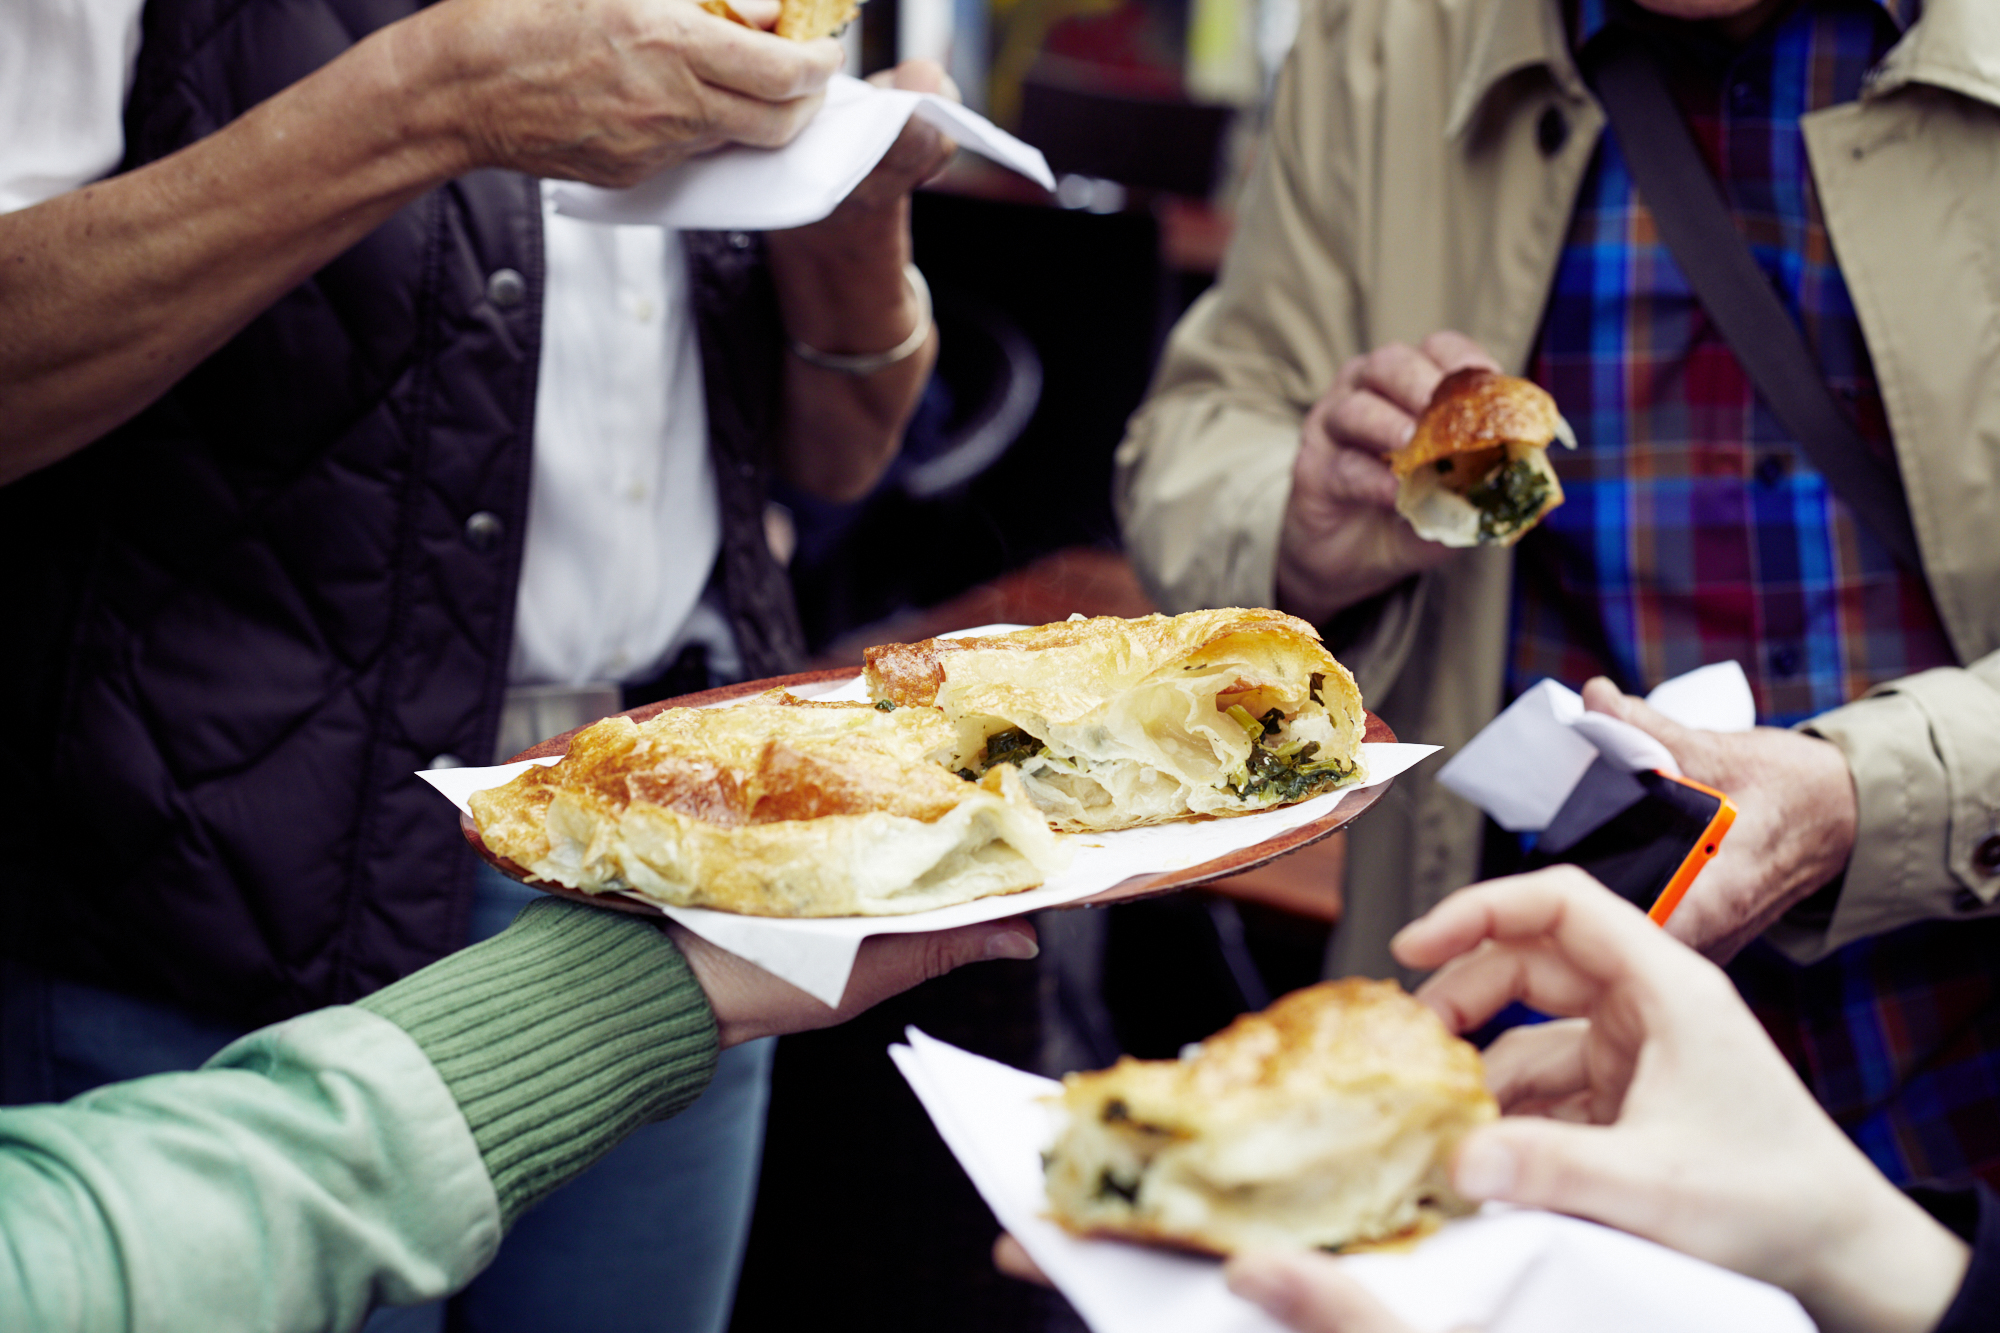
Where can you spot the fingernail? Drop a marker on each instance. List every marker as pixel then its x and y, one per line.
pixel 1409 432
pixel 1483 1171
pixel 1263 1280
pixel 1011 944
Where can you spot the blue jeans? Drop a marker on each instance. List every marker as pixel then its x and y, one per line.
pixel 651 1237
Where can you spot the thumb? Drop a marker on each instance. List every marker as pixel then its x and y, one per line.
pixel 1310 1293
pixel 1588 1171
pixel 1601 696
pixel 890 964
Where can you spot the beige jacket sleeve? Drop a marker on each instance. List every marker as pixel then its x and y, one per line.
pixel 1925 754
pixel 1205 467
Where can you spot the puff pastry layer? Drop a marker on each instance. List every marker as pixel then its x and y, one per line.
pixel 1325 1121
pixel 776 807
pixel 1116 723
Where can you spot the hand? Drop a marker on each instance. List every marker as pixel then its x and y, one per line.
pixel 1698 1134
pixel 1309 1292
pixel 612 91
pixel 841 289
pixel 1795 820
pixel 750 1003
pixel 840 279
pixel 1343 540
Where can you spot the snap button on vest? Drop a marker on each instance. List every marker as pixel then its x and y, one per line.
pixel 1551 131
pixel 483 529
pixel 506 288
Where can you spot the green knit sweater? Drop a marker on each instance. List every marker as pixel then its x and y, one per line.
pixel 558 1037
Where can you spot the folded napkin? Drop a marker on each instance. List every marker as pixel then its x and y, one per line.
pixel 1524 764
pixel 766 189
pixel 1507 1270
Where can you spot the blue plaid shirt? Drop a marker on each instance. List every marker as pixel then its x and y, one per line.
pixel 1695 530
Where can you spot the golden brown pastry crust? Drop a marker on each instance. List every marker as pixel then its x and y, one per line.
pixel 1478 409
pixel 1326 1120
pixel 806 20
pixel 1132 718
pixel 777 807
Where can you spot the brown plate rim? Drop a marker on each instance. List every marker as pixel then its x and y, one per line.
pixel 1137 886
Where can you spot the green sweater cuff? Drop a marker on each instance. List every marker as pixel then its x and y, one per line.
pixel 558 1037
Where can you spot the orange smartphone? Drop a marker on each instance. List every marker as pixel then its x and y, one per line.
pixel 1645 836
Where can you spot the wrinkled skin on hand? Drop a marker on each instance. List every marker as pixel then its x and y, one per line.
pixel 1795 820
pixel 613 91
pixel 1343 541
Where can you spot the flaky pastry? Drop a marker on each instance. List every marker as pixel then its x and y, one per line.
pixel 776 807
pixel 1326 1121
pixel 1116 723
pixel 1476 472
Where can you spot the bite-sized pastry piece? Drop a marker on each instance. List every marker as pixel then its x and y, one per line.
pixel 776 807
pixel 805 20
pixel 1326 1121
pixel 1476 473
pixel 1115 723
pixel 800 20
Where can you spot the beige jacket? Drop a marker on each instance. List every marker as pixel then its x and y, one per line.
pixel 1422 164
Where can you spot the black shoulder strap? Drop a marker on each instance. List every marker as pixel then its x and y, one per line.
pixel 1688 207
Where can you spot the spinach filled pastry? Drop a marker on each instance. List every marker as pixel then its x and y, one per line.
pixel 775 807
pixel 1116 723
pixel 1476 472
pixel 1326 1121
pixel 800 20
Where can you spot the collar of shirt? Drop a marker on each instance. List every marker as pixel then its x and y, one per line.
pixel 1952 44
pixel 1587 18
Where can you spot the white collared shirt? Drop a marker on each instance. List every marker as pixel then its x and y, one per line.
pixel 623 517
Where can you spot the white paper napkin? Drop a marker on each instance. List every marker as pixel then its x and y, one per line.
pixel 765 189
pixel 1504 1271
pixel 817 954
pixel 1524 764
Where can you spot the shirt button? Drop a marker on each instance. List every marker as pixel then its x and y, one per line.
pixel 1986 858
pixel 1551 131
pixel 483 529
pixel 445 761
pixel 1771 471
pixel 1784 661
pixel 739 240
pixel 506 288
pixel 1743 98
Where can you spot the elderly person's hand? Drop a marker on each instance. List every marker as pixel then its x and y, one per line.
pixel 610 91
pixel 1795 820
pixel 750 1003
pixel 1343 540
pixel 843 291
pixel 1696 1133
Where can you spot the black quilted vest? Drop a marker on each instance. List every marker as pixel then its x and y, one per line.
pixel 231 630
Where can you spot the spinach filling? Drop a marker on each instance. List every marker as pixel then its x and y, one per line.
pixel 1107 1184
pixel 1269 774
pixel 1509 497
pixel 1013 746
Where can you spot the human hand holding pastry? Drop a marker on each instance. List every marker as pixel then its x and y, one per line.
pixel 1343 540
pixel 1695 1132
